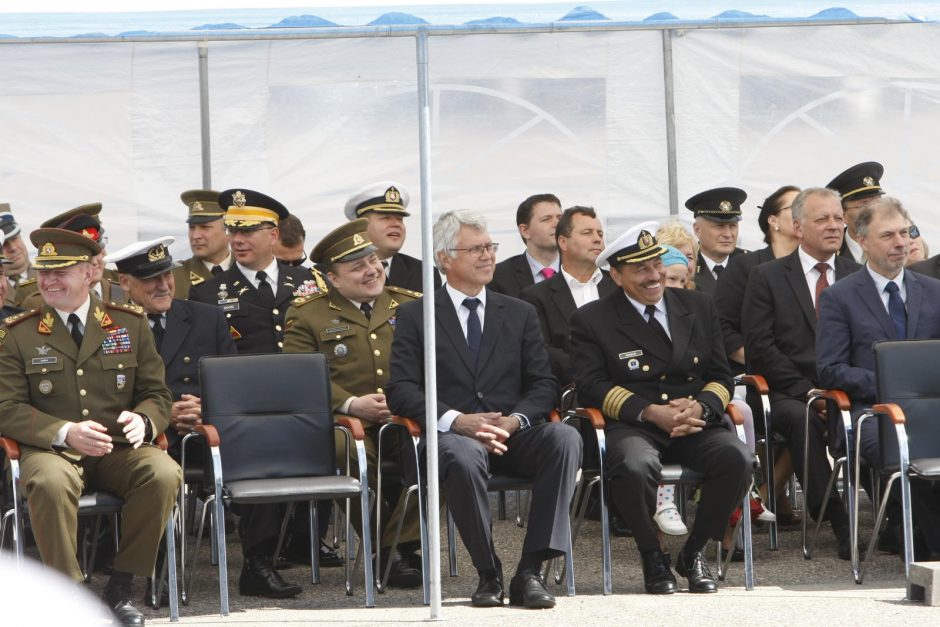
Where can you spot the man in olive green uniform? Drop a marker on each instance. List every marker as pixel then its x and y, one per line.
pixel 352 325
pixel 20 276
pixel 207 240
pixel 82 390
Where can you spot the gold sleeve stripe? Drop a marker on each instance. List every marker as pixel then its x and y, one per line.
pixel 720 391
pixel 614 400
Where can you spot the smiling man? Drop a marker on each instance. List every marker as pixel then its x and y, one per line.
pixel 82 391
pixel 207 241
pixel 652 359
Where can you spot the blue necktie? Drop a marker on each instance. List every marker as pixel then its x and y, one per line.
pixel 474 330
pixel 896 310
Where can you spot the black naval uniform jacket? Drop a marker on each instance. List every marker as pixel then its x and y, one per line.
pixel 704 279
pixel 405 272
pixel 621 366
pixel 255 327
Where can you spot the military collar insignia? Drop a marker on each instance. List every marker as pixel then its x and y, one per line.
pixel 195 279
pixel 43 350
pixel 46 324
pixel 243 290
pixel 234 333
pixel 393 304
pixel 103 318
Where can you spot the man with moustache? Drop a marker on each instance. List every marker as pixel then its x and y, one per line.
pixel 20 276
pixel 536 218
pixel 82 391
pixel 717 213
pixel 653 360
pixel 385 206
pixel 207 241
pixel 880 302
pixel 494 397
pixel 779 325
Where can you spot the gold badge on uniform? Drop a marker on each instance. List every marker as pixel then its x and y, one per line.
pixel 46 324
pixel 103 319
pixel 197 206
pixel 234 333
pixel 156 253
pixel 868 181
pixel 48 250
pixel 392 195
pixel 725 205
pixel 239 198
pixel 45 386
pixel 195 279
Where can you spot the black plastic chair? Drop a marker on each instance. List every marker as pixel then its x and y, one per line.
pixel 273 413
pixel 908 415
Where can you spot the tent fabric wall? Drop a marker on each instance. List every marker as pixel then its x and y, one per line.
pixel 579 114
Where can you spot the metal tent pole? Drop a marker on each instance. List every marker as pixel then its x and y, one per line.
pixel 204 114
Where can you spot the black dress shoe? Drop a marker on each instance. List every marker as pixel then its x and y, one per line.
pixel 736 556
pixel 401 574
pixel 657 578
pixel 258 579
pixel 844 544
pixel 296 554
pixel 526 589
pixel 126 614
pixel 695 569
pixel 489 592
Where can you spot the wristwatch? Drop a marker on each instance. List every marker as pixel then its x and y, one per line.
pixel 708 414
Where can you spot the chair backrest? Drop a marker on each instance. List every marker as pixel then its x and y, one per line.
pixel 908 374
pixel 273 413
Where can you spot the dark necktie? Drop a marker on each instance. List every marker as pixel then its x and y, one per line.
pixel 157 327
pixel 264 288
pixel 718 270
pixel 385 266
pixel 822 282
pixel 366 310
pixel 474 330
pixel 76 330
pixel 896 309
pixel 216 270
pixel 656 326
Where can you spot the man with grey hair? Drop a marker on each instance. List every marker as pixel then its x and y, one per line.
pixel 779 325
pixel 881 302
pixel 494 397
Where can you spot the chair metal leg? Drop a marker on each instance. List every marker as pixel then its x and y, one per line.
pixel 501 505
pixel 881 509
pixel 839 465
pixel 220 531
pixel 349 551
pixel 423 529
pixel 170 564
pixel 366 526
pixel 202 524
pixel 313 520
pixel 569 564
pixel 605 515
pixel 451 544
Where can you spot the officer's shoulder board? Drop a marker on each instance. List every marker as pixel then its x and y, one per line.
pixel 26 282
pixel 300 301
pixel 15 319
pixel 401 290
pixel 128 307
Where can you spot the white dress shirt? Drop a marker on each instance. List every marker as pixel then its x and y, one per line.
pixel 811 274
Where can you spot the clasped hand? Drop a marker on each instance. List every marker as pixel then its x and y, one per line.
pixel 91 438
pixel 492 429
pixel 679 418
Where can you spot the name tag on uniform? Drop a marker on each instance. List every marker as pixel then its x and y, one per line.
pixel 229 304
pixel 336 329
pixel 630 354
pixel 44 361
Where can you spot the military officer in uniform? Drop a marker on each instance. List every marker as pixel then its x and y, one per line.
pixel 5 308
pixel 353 325
pixel 385 206
pixel 858 186
pixel 207 241
pixel 183 330
pixel 653 360
pixel 717 213
pixel 20 276
pixel 82 391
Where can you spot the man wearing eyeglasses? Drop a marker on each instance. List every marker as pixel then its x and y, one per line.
pixel 495 390
pixel 207 240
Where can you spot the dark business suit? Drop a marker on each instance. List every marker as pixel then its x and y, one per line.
pixel 852 317
pixel 193 330
pixel 511 375
pixel 621 366
pixel 704 279
pixel 779 325
pixel 405 271
pixel 729 297
pixel 512 275
pixel 929 267
pixel 554 305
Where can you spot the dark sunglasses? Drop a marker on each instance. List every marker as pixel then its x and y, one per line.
pixel 295 262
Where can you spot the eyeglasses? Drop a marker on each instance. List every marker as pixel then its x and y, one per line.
pixel 295 262
pixel 477 251
pixel 249 230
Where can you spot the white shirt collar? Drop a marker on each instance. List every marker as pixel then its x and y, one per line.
pixel 536 268
pixel 573 282
pixel 270 271
pixel 809 263
pixel 457 297
pixel 641 308
pixel 225 265
pixel 854 247
pixel 711 264
pixel 81 312
pixel 881 282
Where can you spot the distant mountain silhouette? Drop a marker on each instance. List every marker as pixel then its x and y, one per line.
pixel 88 36
pixel 732 14
pixel 835 13
pixel 583 13
pixel 396 18
pixel 137 33
pixel 494 20
pixel 660 17
pixel 303 21
pixel 222 26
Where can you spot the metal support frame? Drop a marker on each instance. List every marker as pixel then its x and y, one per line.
pixel 669 101
pixel 203 49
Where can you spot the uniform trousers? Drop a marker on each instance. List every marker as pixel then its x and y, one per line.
pixel 146 478
pixel 549 454
pixel 635 461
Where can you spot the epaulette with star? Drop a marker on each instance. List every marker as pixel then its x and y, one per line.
pixel 303 300
pixel 128 307
pixel 15 319
pixel 401 290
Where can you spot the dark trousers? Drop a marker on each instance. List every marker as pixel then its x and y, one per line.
pixel 549 454
pixel 635 461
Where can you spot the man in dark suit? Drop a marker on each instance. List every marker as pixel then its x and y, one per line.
pixel 255 294
pixel 580 238
pixel 536 217
pixel 211 254
pixel 929 267
pixel 857 186
pixel 183 330
pixel 385 206
pixel 717 213
pixel 6 309
pixel 779 326
pixel 880 302
pixel 652 359
pixel 494 397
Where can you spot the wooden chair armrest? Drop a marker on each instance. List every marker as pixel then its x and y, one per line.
pixel 554 416
pixel 756 381
pixel 414 429
pixel 594 415
pixel 11 448
pixel 735 414
pixel 354 425
pixel 162 442
pixel 840 398
pixel 210 433
pixel 892 411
